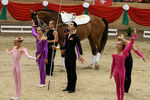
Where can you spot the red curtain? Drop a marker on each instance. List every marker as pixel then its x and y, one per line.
pixel 109 13
pixel 0 6
pixel 78 9
pixel 140 16
pixel 22 12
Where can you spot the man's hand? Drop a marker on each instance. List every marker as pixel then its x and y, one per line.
pixel 81 59
pixel 45 61
pixel 53 47
pixel 62 52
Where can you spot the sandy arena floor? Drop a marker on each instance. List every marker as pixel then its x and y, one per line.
pixel 91 84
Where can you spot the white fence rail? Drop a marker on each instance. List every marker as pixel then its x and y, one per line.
pixel 146 34
pixel 15 29
pixel 27 29
pixel 112 32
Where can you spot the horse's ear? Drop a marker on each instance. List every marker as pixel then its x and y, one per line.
pixel 32 14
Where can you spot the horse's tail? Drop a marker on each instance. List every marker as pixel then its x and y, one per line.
pixel 104 36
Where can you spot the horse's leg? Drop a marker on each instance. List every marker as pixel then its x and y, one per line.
pixel 101 43
pixel 94 51
pixel 98 45
pixel 97 58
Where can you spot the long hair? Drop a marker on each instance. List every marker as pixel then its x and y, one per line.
pixel 123 45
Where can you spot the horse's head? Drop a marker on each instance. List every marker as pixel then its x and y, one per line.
pixel 41 17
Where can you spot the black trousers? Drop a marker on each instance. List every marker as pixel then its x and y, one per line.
pixel 128 67
pixel 49 66
pixel 71 73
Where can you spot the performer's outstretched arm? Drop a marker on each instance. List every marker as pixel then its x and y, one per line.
pixel 27 54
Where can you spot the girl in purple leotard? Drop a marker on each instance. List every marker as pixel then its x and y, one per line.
pixel 42 52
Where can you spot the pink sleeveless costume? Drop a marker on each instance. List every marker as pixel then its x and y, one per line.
pixel 43 50
pixel 118 68
pixel 17 67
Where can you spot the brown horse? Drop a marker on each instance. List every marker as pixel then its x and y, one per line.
pixel 96 30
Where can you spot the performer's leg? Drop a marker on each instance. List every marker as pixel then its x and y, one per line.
pixel 73 75
pixel 15 80
pixel 122 79
pixel 19 76
pixel 39 64
pixel 116 77
pixel 68 74
pixel 42 71
pixel 128 67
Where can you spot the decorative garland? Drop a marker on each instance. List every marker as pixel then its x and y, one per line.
pixel 22 11
pixel 86 6
pixel 45 4
pixel 3 15
pixel 125 20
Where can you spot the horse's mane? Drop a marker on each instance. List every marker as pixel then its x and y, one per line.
pixel 51 11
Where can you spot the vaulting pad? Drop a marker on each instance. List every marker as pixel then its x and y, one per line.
pixel 68 17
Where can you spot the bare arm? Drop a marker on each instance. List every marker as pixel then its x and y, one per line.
pixel 55 33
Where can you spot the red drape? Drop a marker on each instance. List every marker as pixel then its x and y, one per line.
pixel 140 16
pixel 109 13
pixel 22 12
pixel 78 9
pixel 0 6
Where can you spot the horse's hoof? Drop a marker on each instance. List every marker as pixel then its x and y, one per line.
pixel 89 67
pixel 96 67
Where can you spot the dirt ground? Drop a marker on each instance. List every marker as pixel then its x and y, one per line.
pixel 91 84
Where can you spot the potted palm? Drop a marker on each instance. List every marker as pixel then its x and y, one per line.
pixel 129 30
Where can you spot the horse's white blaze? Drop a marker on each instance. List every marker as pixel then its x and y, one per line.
pixel 63 61
pixel 98 57
pixel 92 60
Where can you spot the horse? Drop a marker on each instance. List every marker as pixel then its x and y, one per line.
pixel 96 30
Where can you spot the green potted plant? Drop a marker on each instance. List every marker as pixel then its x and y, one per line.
pixel 129 31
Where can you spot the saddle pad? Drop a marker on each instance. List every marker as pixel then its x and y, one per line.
pixel 68 17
